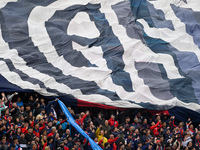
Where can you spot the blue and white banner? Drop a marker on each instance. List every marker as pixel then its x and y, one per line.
pixel 128 54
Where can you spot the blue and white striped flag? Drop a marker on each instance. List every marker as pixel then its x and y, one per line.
pixel 128 54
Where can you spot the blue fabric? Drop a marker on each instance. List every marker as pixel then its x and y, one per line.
pixel 75 125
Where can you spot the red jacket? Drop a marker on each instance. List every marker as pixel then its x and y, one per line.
pixel 113 122
pixel 155 128
pixel 80 122
pixel 37 131
pixel 50 134
pixel 112 140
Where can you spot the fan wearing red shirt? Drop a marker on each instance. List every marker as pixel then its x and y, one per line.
pixel 37 129
pixel 156 127
pixel 80 119
pixel 112 140
pixel 112 121
pixel 52 132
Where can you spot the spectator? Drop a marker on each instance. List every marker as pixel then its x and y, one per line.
pixel 100 135
pixel 99 120
pixel 19 101
pixel 107 129
pixel 49 143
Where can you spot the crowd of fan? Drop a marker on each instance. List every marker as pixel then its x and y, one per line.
pixel 29 123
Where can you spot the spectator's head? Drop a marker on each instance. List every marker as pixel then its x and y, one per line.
pixel 111 136
pixel 120 127
pixel 121 146
pixel 150 146
pixel 31 98
pixel 41 121
pixel 139 144
pixel 127 120
pixel 158 117
pixel 26 124
pixel 136 120
pixel 189 144
pixel 164 125
pixel 99 115
pixel 67 131
pixel 197 137
pixel 49 139
pixel 22 108
pixel 144 121
pixel 3 140
pixel 137 131
pixel 6 111
pixel 181 124
pixel 113 116
pixel 62 144
pixel 53 129
pixel 34 147
pixel 42 100
pixel 36 125
pixel 37 105
pixel 12 147
pixel 65 141
pixel 106 122
pixel 153 123
pixel 18 130
pixel 51 114
pixel 130 136
pixel 30 130
pixel 21 118
pixel 69 138
pixel 28 107
pixel 168 132
pixel 22 136
pixel 47 148
pixel 107 145
pixel 78 142
pixel 15 139
pixel 18 99
pixel 14 105
pixel 115 129
pixel 102 132
pixel 82 114
pixel 50 124
pixel 131 129
pixel 60 119
pixel 44 138
pixel 57 135
pixel 191 126
pixel 161 138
